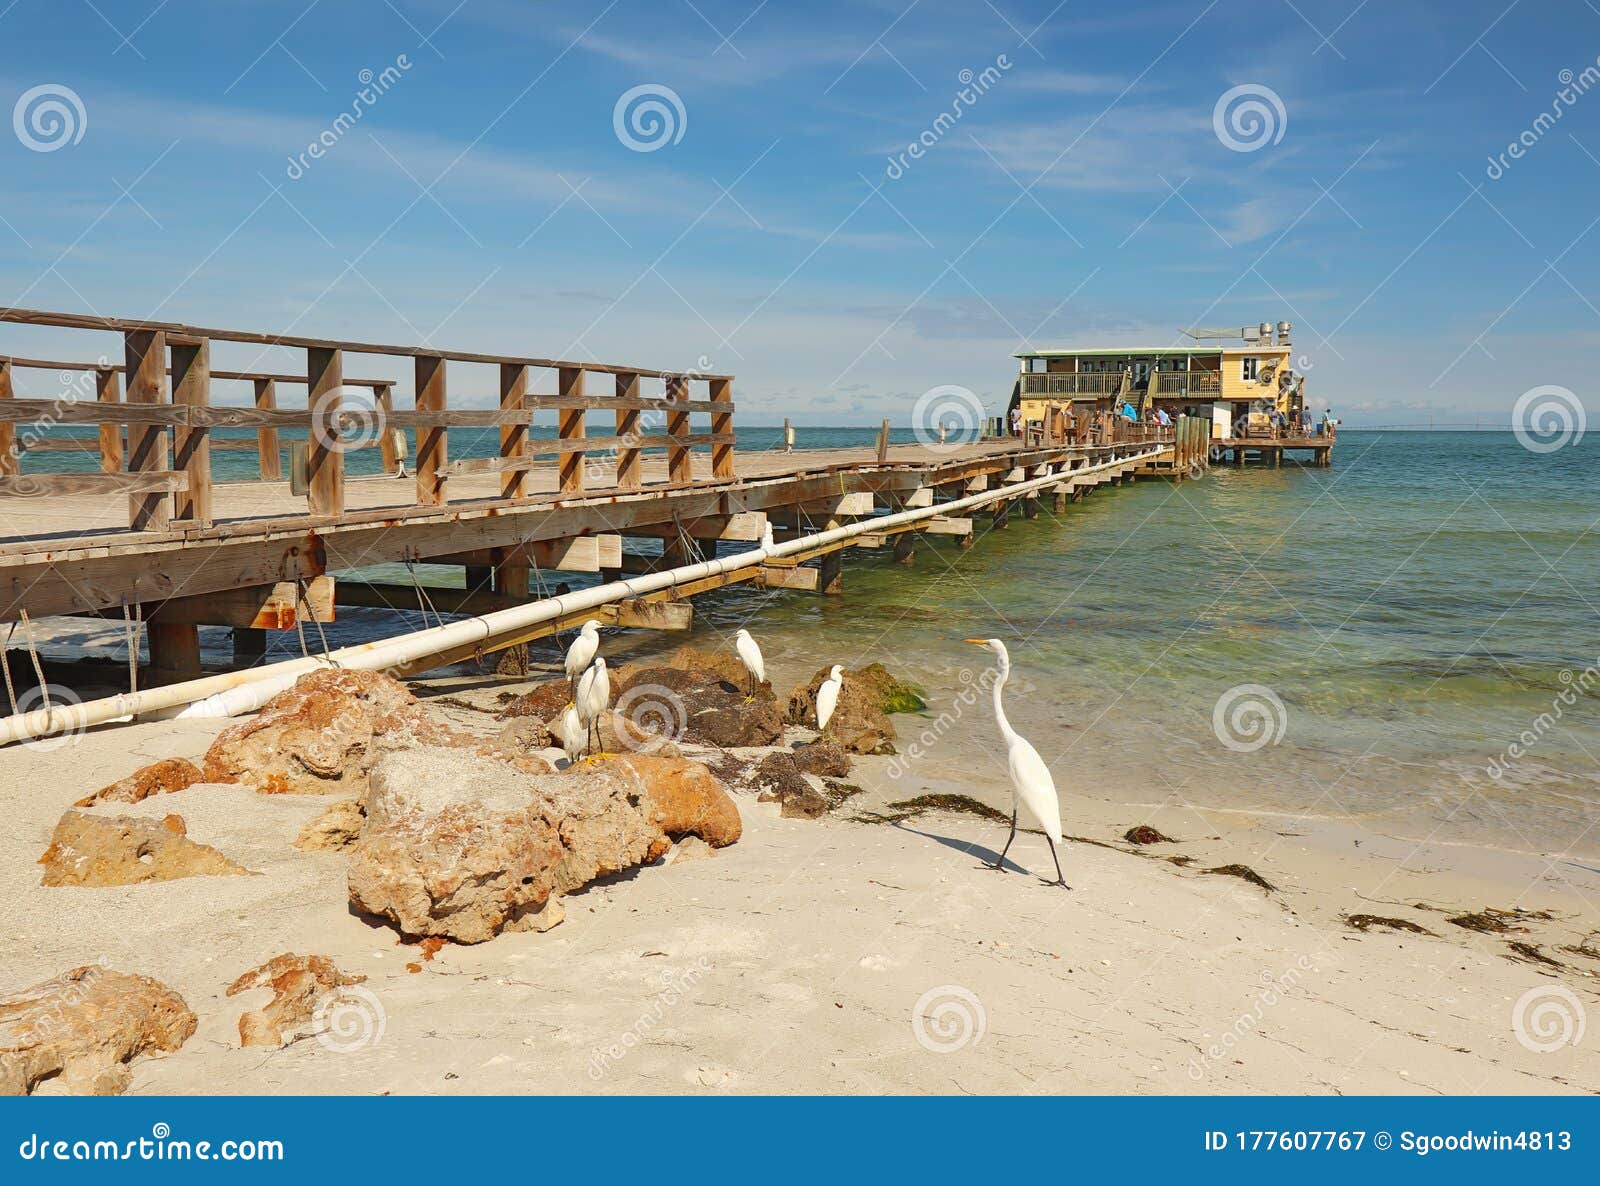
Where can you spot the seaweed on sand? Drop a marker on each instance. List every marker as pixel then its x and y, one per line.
pixel 1145 834
pixel 1365 922
pixel 1491 921
pixel 1245 873
pixel 1530 953
pixel 905 809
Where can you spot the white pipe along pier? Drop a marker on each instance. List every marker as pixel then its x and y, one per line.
pixel 232 693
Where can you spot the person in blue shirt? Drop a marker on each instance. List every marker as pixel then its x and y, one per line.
pixel 1129 414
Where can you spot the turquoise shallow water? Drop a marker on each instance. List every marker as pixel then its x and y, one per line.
pixel 1413 610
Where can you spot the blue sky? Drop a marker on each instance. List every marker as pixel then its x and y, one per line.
pixel 485 200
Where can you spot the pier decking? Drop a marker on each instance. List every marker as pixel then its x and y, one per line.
pixel 154 537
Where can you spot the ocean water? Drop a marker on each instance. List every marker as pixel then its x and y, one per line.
pixel 1408 638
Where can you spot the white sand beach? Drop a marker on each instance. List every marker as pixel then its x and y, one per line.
pixel 835 955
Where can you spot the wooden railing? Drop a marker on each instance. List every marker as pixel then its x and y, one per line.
pixel 1098 384
pixel 165 466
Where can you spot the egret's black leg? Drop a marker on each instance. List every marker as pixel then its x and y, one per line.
pixel 1000 864
pixel 1060 880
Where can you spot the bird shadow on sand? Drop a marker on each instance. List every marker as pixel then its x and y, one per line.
pixel 987 856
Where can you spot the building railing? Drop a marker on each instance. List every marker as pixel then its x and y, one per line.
pixel 155 419
pixel 1102 384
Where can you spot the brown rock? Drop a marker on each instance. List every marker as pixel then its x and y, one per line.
pixel 779 779
pixel 859 723
pixel 92 850
pixel 522 734
pixel 690 848
pixel 335 830
pixel 312 739
pixel 83 1027
pixel 544 701
pixel 299 983
pixel 464 845
pixel 698 705
pixel 824 757
pixel 158 778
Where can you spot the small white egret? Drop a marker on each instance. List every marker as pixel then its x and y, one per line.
pixel 573 739
pixel 1031 783
pixel 767 542
pixel 583 650
pixel 594 694
pixel 750 656
pixel 828 696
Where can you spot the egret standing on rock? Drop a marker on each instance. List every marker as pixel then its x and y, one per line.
pixel 582 651
pixel 750 656
pixel 1032 785
pixel 573 739
pixel 828 696
pixel 594 694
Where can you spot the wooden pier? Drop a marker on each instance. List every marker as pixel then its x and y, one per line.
pixel 153 538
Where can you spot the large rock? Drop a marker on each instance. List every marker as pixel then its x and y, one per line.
pixel 543 701
pixel 335 830
pixel 824 757
pixel 779 779
pixel 93 850
pixel 83 1027
pixel 699 705
pixel 464 845
pixel 300 984
pixel 860 721
pixel 313 739
pixel 158 778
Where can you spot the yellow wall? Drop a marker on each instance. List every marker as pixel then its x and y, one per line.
pixel 1233 385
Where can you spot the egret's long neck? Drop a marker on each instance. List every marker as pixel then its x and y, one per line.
pixel 1006 730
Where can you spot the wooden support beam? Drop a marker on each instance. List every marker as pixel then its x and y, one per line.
pixel 580 553
pixel 883 443
pixel 680 463
pixel 174 650
pixel 249 646
pixel 432 442
pixel 146 372
pixel 572 428
pixel 628 430
pixel 324 396
pixel 854 504
pixel 10 460
pixel 383 401
pixel 191 387
pixel 269 458
pixel 513 437
pixel 108 390
pixel 830 573
pixel 722 425
pixel 259 607
pixel 632 613
pixel 773 576
pixel 743 525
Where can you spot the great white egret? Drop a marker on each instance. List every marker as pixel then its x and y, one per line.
pixel 750 656
pixel 573 738
pixel 594 694
pixel 828 696
pixel 1031 783
pixel 767 542
pixel 583 650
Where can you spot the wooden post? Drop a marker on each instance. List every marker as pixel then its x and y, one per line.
pixel 831 579
pixel 174 648
pixel 722 424
pixel 514 437
pixel 680 466
pixel 9 466
pixel 249 646
pixel 572 426
pixel 432 441
pixel 883 443
pixel 628 430
pixel 269 459
pixel 108 390
pixel 383 401
pixel 146 370
pixel 324 395
pixel 191 387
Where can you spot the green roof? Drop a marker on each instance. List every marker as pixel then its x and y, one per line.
pixel 1119 351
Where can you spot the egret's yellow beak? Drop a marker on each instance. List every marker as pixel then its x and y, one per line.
pixel 977 642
